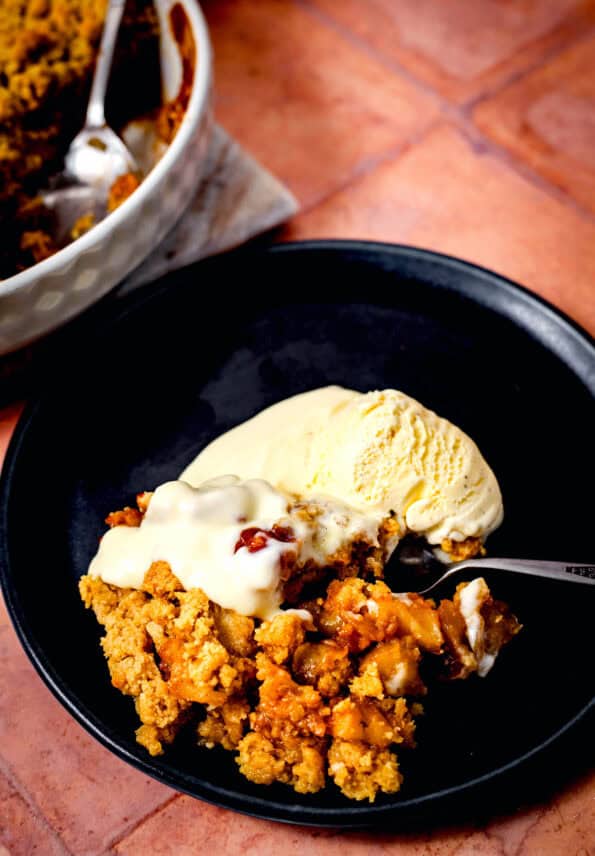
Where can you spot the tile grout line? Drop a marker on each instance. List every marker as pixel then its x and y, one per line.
pixel 363 46
pixel 125 833
pixel 454 114
pixel 372 163
pixel 484 144
pixel 492 836
pixel 480 144
pixel 31 804
pixel 459 848
pixel 548 55
pixel 427 89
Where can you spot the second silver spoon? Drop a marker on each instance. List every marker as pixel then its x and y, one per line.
pixel 96 156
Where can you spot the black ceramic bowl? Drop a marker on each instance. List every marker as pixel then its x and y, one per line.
pixel 171 368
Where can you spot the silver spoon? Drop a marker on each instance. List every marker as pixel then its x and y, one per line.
pixel 96 156
pixel 428 567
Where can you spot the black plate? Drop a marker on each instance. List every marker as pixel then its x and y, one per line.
pixel 213 344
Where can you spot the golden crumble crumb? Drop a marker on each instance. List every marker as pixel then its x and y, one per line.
pixel 298 701
pixel 225 725
pixel 160 581
pixel 124 517
pixel 154 739
pixel 81 225
pixel 280 637
pixel 123 187
pixel 360 770
pixel 390 668
pixel 461 550
pixel 324 665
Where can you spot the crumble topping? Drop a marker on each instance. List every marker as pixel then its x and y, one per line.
pixel 325 690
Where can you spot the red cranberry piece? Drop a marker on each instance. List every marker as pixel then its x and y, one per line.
pixel 255 539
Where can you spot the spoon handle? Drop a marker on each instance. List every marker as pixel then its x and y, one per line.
pixel 575 573
pixel 95 117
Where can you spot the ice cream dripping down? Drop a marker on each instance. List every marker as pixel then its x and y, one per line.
pixel 238 541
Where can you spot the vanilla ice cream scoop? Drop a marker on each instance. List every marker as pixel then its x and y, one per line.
pixel 380 452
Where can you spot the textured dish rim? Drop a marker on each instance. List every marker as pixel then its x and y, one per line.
pixel 487 285
pixel 195 111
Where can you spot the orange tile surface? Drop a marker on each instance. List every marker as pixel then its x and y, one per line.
pixel 24 832
pixel 462 49
pixel 448 195
pixel 536 832
pixel 547 120
pixel 467 127
pixel 177 822
pixel 86 794
pixel 301 98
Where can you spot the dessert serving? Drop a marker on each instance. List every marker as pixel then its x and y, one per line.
pixel 252 607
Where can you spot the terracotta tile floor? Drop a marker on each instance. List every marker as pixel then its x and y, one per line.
pixel 301 97
pixel 450 194
pixel 460 49
pixel 467 127
pixel 547 119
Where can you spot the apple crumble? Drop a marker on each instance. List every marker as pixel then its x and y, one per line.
pixel 312 675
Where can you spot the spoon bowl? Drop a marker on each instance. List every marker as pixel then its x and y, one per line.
pixel 414 567
pixel 96 156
